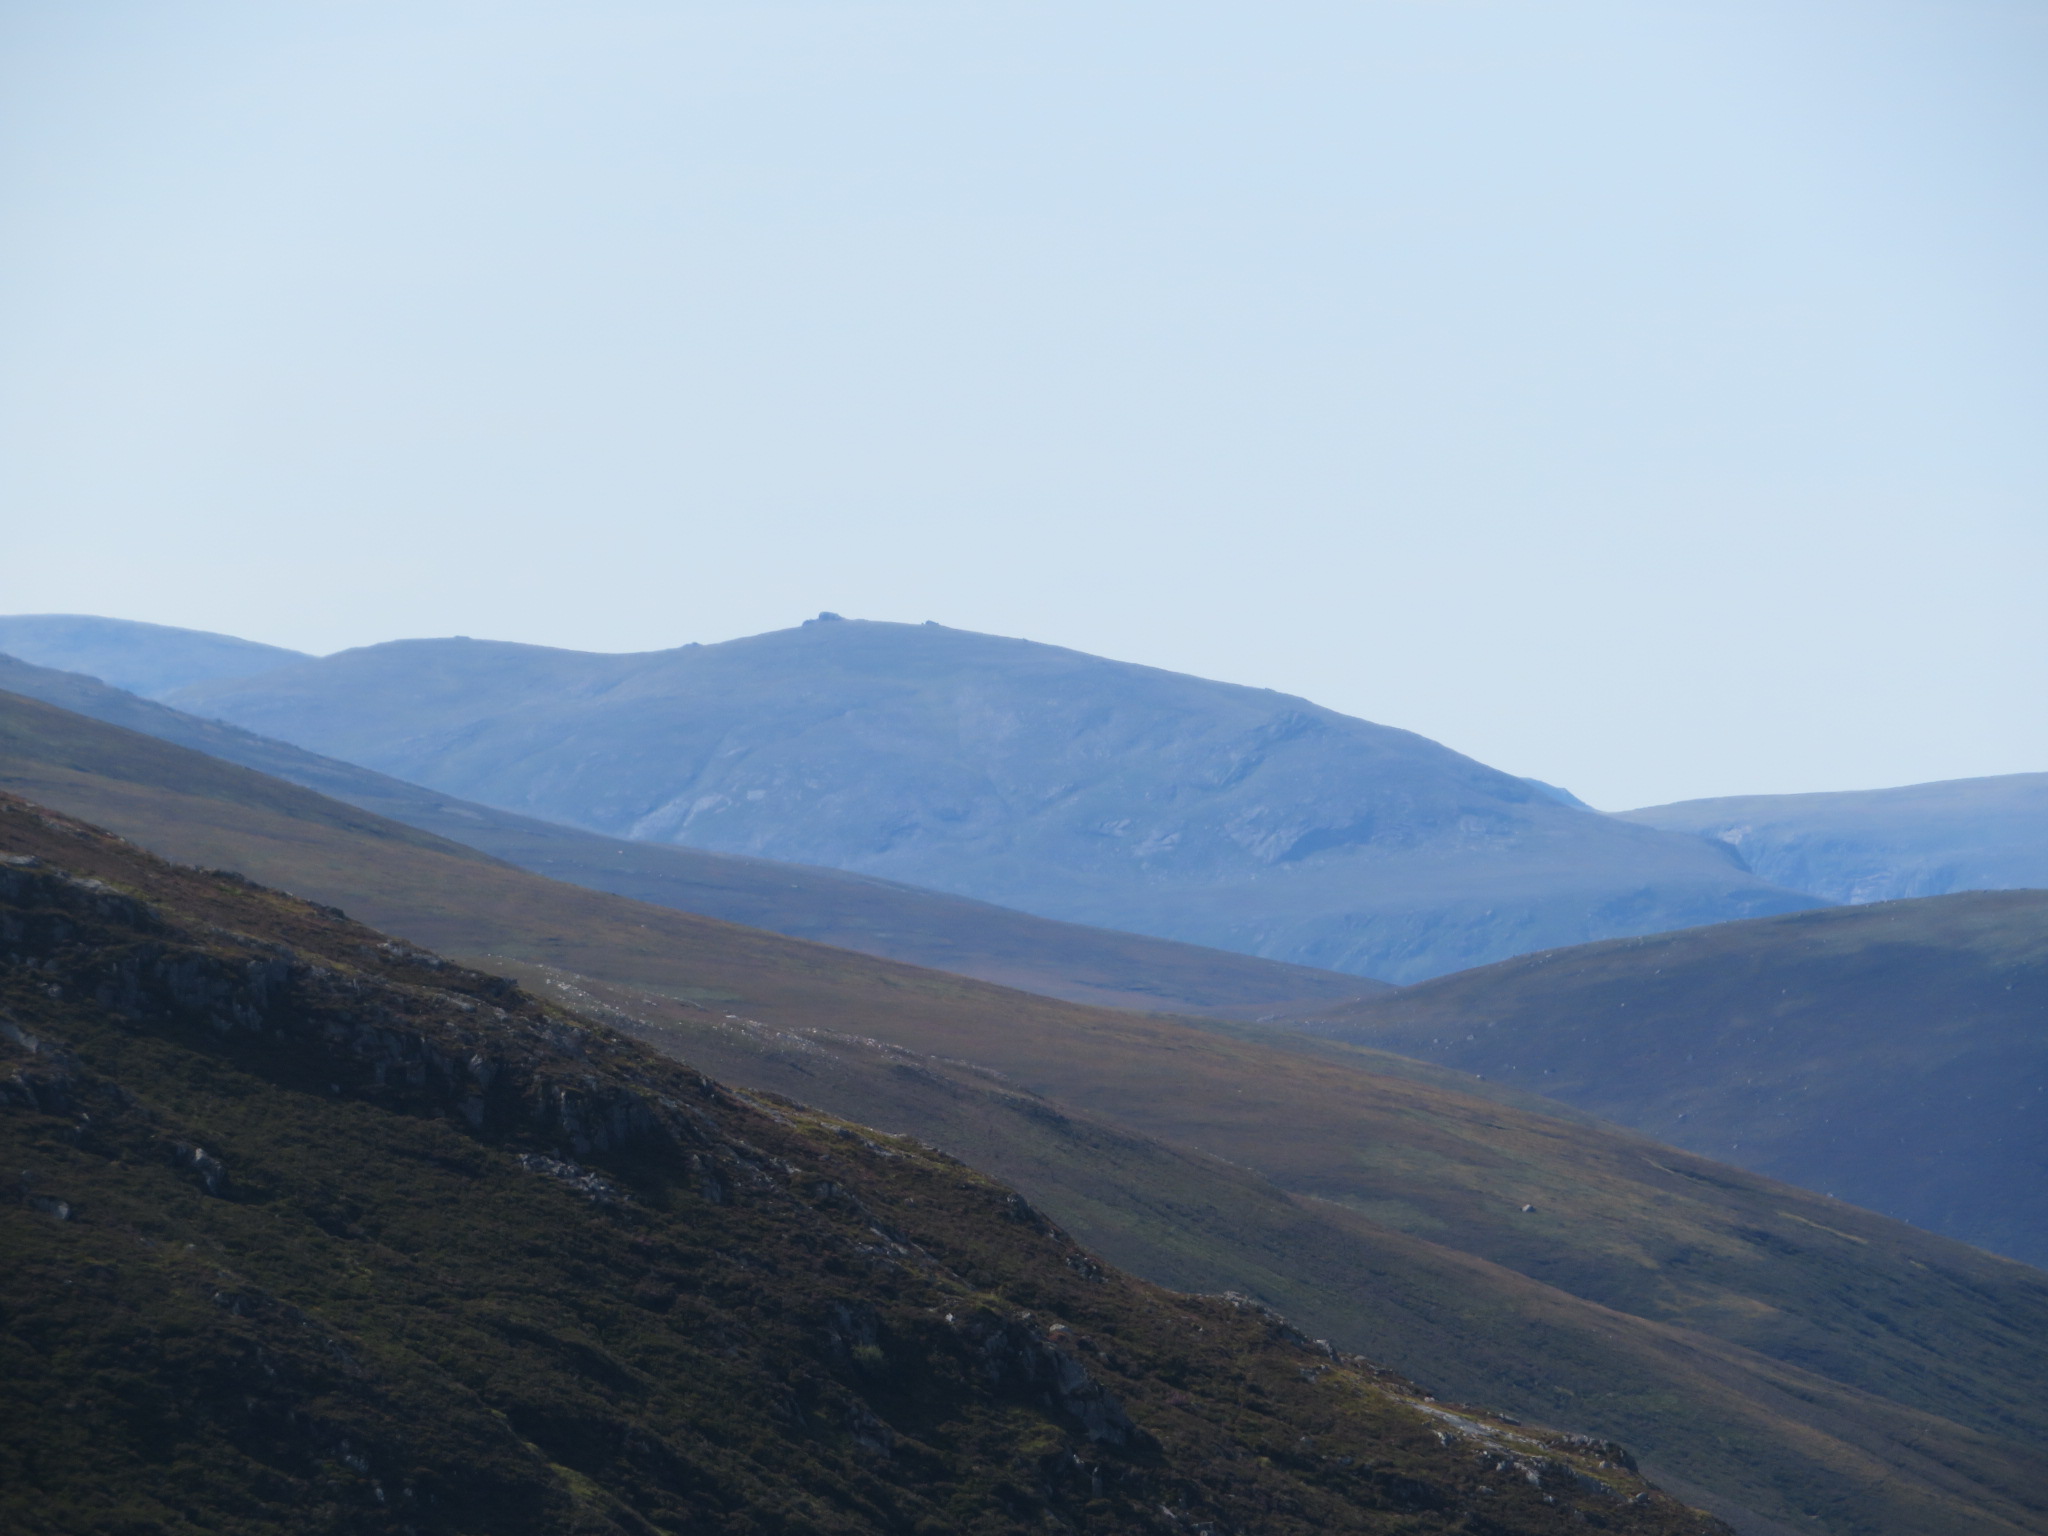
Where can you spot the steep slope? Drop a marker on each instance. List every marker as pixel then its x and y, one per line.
pixel 319 1233
pixel 1881 844
pixel 1893 1054
pixel 144 658
pixel 877 917
pixel 1788 1358
pixel 1039 778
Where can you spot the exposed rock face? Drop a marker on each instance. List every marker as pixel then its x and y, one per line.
pixel 1047 780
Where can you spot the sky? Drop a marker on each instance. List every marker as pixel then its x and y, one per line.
pixel 1647 397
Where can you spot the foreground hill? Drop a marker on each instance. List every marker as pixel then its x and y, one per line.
pixel 878 917
pixel 1035 777
pixel 147 659
pixel 1892 1054
pixel 319 1233
pixel 1787 1359
pixel 1881 844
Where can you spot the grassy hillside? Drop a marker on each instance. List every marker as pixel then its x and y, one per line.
pixel 1892 1054
pixel 877 917
pixel 1041 778
pixel 318 1233
pixel 1785 1355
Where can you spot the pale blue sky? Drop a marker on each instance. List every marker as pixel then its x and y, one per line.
pixel 1647 397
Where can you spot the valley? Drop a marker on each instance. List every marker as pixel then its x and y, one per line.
pixel 1750 1340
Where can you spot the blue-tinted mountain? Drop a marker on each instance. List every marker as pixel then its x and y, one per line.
pixel 1986 834
pixel 877 917
pixel 1035 777
pixel 149 659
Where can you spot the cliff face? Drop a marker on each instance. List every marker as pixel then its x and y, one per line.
pixel 317 1232
pixel 1058 783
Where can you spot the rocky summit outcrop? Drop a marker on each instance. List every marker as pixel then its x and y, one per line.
pixel 316 1232
pixel 1047 780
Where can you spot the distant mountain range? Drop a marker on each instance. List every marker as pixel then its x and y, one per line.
pixel 1880 844
pixel 148 659
pixel 1026 775
pixel 1066 786
pixel 877 917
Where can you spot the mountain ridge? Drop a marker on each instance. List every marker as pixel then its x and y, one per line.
pixel 146 659
pixel 1032 776
pixel 852 911
pixel 1856 846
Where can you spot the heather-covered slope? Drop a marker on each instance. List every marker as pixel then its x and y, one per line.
pixel 877 917
pixel 318 1233
pixel 1040 778
pixel 1895 1055
pixel 1790 1358
pixel 1881 844
pixel 147 659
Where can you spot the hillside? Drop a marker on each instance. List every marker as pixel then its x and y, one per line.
pixel 877 917
pixel 319 1233
pixel 147 659
pixel 1034 777
pixel 1881 844
pixel 1793 1361
pixel 1892 1054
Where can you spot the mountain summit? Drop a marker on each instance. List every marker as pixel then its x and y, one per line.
pixel 1041 778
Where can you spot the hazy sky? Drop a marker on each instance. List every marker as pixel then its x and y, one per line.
pixel 1648 397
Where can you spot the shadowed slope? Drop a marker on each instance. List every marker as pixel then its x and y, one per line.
pixel 1783 1353
pixel 878 917
pixel 1892 1054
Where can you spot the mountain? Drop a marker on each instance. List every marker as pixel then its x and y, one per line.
pixel 1782 1358
pixel 1026 775
pixel 318 1233
pixel 1891 1054
pixel 1881 844
pixel 148 659
pixel 879 917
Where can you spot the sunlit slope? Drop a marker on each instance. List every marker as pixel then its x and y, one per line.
pixel 1893 1054
pixel 1040 778
pixel 1986 834
pixel 1791 1355
pixel 880 917
pixel 317 1233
